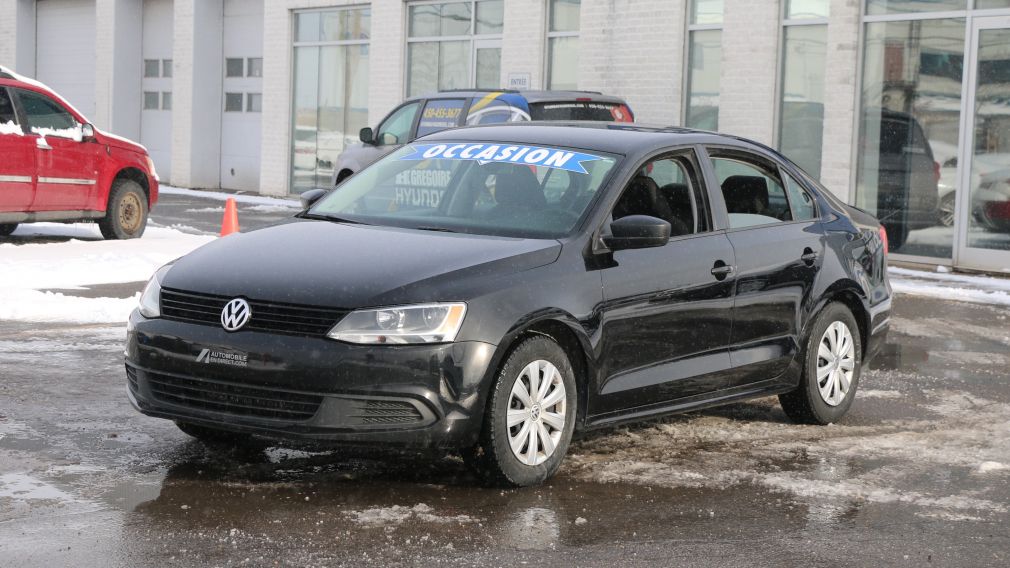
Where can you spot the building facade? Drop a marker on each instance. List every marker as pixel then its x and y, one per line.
pixel 900 107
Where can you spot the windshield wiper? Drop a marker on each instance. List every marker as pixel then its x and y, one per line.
pixel 436 229
pixel 331 218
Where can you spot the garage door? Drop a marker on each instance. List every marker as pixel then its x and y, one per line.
pixel 243 94
pixel 65 53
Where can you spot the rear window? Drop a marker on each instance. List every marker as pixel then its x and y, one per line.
pixel 581 110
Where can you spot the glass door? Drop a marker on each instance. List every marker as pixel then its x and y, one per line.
pixel 984 210
pixel 487 68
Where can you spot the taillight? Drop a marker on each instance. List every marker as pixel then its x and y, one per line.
pixel 936 171
pixel 883 239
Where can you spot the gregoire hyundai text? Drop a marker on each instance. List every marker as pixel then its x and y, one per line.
pixel 56 166
pixel 562 277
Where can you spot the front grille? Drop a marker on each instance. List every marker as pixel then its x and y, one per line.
pixel 131 379
pixel 271 317
pixel 233 399
pixel 387 412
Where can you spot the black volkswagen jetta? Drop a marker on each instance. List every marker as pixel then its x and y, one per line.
pixel 492 289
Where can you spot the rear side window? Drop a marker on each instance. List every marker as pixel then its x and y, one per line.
pixel 581 110
pixel 6 109
pixel 46 115
pixel 802 203
pixel 440 114
pixel 752 190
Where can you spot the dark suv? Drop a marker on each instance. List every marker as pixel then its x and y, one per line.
pixel 423 115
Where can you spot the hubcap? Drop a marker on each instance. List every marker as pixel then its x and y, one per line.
pixel 536 412
pixel 947 213
pixel 129 213
pixel 836 361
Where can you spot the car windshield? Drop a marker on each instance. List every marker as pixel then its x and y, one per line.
pixel 490 188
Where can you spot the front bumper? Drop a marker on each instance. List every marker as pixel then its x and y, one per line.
pixel 308 388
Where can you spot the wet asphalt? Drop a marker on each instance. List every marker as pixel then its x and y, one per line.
pixel 917 474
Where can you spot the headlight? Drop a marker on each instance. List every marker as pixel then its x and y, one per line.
pixel 427 323
pixel 150 298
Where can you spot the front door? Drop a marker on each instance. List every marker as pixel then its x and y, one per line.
pixel 984 210
pixel 667 314
pixel 66 165
pixel 17 166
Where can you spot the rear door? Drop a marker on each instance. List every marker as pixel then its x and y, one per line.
pixel 17 159
pixel 66 165
pixel 776 234
pixel 667 316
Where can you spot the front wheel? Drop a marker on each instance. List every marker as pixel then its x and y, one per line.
pixel 832 365
pixel 126 215
pixel 530 416
pixel 7 229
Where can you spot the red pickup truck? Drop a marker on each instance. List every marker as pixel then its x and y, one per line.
pixel 56 166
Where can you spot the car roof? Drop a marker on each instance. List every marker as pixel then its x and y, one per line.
pixel 611 137
pixel 530 96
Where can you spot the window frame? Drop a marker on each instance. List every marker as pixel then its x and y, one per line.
pixel 551 35
pixel 702 197
pixel 686 66
pixel 473 38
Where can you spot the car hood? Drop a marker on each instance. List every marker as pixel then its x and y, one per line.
pixel 338 265
pixel 120 142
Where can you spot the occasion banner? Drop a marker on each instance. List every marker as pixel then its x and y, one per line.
pixel 484 153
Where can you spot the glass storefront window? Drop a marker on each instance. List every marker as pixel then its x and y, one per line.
pixel 330 91
pixel 877 7
pixel 802 9
pixel 908 137
pixel 801 114
pixel 442 51
pixel 563 45
pixel 704 71
pixel 706 12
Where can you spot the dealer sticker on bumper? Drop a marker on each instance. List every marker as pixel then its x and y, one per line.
pixel 233 358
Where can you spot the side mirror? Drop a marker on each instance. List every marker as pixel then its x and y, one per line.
pixel 366 135
pixel 637 231
pixel 311 196
pixel 87 131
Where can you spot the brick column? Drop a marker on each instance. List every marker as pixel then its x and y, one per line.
pixel 840 98
pixel 17 35
pixel 524 41
pixel 750 54
pixel 635 49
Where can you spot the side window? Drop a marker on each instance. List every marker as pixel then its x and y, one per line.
pixel 753 192
pixel 47 117
pixel 803 204
pixel 396 128
pixel 665 188
pixel 440 114
pixel 7 116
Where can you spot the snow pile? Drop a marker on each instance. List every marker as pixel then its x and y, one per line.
pixel 963 287
pixel 75 133
pixel 275 202
pixel 26 271
pixel 10 127
pixel 398 514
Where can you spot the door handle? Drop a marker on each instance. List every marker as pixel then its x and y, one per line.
pixel 721 270
pixel 808 256
pixel 42 144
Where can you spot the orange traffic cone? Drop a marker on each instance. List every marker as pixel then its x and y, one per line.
pixel 229 224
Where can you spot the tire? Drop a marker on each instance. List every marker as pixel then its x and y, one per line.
pixel 945 211
pixel 214 437
pixel 808 403
pixel 493 458
pixel 126 215
pixel 7 228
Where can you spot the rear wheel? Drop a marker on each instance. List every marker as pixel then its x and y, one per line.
pixel 832 365
pixel 7 228
pixel 126 216
pixel 530 416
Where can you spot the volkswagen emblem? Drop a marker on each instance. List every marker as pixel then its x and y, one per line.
pixel 235 314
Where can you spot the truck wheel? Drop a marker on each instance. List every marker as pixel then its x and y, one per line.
pixel 831 367
pixel 7 228
pixel 530 416
pixel 126 215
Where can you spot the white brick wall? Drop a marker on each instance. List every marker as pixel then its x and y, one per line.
pixel 524 43
pixel 750 52
pixel 841 98
pixel 17 35
pixel 635 49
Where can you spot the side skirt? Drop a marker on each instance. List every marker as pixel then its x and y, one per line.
pixel 32 217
